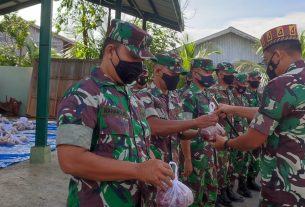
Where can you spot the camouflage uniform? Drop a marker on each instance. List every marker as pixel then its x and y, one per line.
pixel 167 107
pixel 254 99
pixel 99 115
pixel 203 179
pixel 224 96
pixel 281 118
pixel 239 160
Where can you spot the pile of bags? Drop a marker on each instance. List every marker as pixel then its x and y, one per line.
pixel 9 130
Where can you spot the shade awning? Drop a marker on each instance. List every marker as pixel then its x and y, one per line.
pixel 166 13
pixel 7 6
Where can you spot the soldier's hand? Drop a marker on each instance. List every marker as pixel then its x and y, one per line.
pixel 188 168
pixel 224 109
pixel 219 142
pixel 205 121
pixel 156 172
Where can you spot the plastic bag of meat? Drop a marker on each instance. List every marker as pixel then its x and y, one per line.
pixel 209 133
pixel 177 196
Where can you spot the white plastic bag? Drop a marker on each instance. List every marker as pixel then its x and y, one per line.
pixel 209 133
pixel 179 195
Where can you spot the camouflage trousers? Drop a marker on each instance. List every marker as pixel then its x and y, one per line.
pixel 203 179
pixel 222 169
pixel 238 167
pixel 254 163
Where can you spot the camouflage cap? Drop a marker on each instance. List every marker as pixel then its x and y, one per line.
pixel 254 74
pixel 241 77
pixel 227 67
pixel 171 61
pixel 135 39
pixel 205 64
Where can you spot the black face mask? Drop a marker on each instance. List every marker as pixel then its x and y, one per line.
pixel 142 80
pixel 188 82
pixel 254 84
pixel 271 67
pixel 170 81
pixel 127 71
pixel 207 81
pixel 228 79
pixel 240 89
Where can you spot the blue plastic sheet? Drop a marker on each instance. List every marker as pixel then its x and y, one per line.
pixel 21 152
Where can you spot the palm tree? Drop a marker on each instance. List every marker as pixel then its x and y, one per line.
pixel 188 51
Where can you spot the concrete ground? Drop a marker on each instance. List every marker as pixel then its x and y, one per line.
pixel 25 185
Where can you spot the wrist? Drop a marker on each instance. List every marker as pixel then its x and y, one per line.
pixel 137 172
pixel 226 144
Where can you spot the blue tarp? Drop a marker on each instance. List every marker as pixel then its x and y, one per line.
pixel 18 153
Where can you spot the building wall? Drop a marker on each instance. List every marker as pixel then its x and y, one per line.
pixel 15 82
pixel 233 48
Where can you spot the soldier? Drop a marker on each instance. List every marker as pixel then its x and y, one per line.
pixel 141 81
pixel 254 99
pixel 164 113
pixel 239 161
pixel 102 134
pixel 197 102
pixel 223 94
pixel 278 124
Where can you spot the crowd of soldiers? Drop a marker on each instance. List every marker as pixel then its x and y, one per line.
pixel 117 131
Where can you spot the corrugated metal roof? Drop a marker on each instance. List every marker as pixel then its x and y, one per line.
pixel 166 13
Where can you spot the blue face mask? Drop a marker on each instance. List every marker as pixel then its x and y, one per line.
pixel 207 81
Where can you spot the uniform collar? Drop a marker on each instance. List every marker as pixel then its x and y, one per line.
pixel 298 64
pixel 194 88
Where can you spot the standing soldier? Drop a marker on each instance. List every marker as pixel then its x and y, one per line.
pixel 102 134
pixel 278 124
pixel 187 83
pixel 254 99
pixel 239 161
pixel 163 109
pixel 223 94
pixel 197 102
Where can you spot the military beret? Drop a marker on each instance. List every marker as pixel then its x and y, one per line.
pixel 135 39
pixel 279 34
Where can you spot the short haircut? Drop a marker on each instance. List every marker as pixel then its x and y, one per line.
pixel 107 42
pixel 290 46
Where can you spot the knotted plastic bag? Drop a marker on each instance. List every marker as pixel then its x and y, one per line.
pixel 210 133
pixel 179 195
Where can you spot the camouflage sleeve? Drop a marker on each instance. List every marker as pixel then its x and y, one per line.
pixel 77 117
pixel 277 103
pixel 188 105
pixel 148 101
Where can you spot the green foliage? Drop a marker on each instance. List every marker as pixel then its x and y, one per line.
pixel 17 30
pixel 8 55
pixel 188 53
pixel 86 18
pixel 302 40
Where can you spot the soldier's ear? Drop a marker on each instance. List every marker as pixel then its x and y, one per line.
pixel 109 51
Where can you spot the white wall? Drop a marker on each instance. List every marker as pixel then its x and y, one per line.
pixel 15 82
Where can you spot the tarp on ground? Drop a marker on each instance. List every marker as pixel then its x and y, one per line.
pixel 17 153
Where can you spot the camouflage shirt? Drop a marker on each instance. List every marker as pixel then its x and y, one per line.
pixel 224 96
pixel 254 98
pixel 106 118
pixel 167 107
pixel 281 116
pixel 197 103
pixel 240 123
